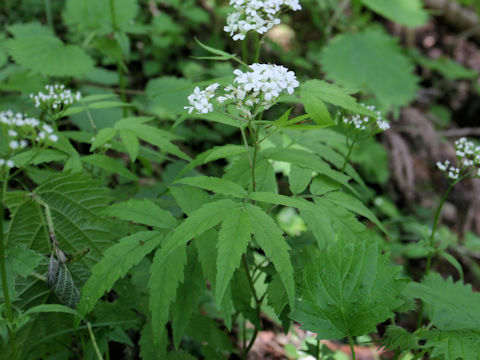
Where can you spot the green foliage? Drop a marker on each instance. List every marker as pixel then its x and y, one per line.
pixel 405 12
pixel 371 60
pixel 452 345
pixel 352 291
pixel 37 49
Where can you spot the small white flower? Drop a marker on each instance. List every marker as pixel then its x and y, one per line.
pixel 200 99
pixel 14 144
pixel 57 98
pixel 10 164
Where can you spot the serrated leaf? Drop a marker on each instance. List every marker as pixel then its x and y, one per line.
pixel 199 221
pixel 233 239
pixel 189 198
pixel 316 108
pixel 188 296
pixel 116 262
pixel 348 291
pixel 110 165
pixel 406 12
pixel 37 49
pixel 397 338
pixel 355 205
pixel 166 274
pixel 299 178
pixel 23 261
pixel 270 238
pixel 453 345
pixel 169 93
pixel 131 143
pixel 143 212
pixel 371 60
pixel 205 330
pixel 150 350
pixel 217 185
pixel 103 136
pixel 450 306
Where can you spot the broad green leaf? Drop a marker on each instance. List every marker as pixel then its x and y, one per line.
pixel 188 198
pixel 150 349
pixel 371 60
pixel 233 239
pixel 217 185
pixel 131 143
pixel 169 94
pixel 270 238
pixel 166 274
pixel 103 136
pixel 199 221
pixel 450 306
pixel 406 12
pixel 348 291
pixel 445 66
pixel 110 165
pixel 143 212
pixel 36 157
pixel 188 296
pixel 355 205
pixel 35 48
pixel 452 345
pixel 116 262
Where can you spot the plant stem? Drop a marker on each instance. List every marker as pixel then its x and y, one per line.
pixel 350 149
pixel 258 303
pixel 352 347
pixel 432 241
pixel 318 350
pixel 255 151
pixel 48 13
pixel 3 270
pixel 92 337
pixel 258 45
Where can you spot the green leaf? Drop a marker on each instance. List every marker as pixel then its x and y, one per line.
pixel 188 296
pixel 371 60
pixel 278 199
pixel 116 262
pixel 48 308
pixel 169 94
pixel 299 178
pixel 447 67
pixel 233 240
pixel 35 48
pixel 270 238
pixel 110 165
pixel 96 15
pixel 332 94
pixel 150 350
pixel 199 221
pixel 406 12
pixel 355 205
pixel 316 108
pixel 64 287
pixel 156 137
pixel 189 199
pixel 453 345
pixel 23 261
pixel 450 306
pixel 166 273
pixel 131 143
pixel 143 212
pixel 103 136
pixel 397 338
pixel 348 291
pixel 217 185
pixel 206 330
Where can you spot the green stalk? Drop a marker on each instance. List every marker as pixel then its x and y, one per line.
pixel 432 240
pixel 92 337
pixel 258 45
pixel 350 149
pixel 48 13
pixel 258 304
pixel 3 271
pixel 352 347
pixel 318 350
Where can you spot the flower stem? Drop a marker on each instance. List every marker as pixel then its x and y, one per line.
pixel 92 337
pixel 258 303
pixel 3 271
pixel 350 149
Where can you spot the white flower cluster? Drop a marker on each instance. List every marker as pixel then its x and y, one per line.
pixel 258 88
pixel 257 15
pixel 21 130
pixel 360 122
pixel 468 156
pixel 56 99
pixel 200 99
